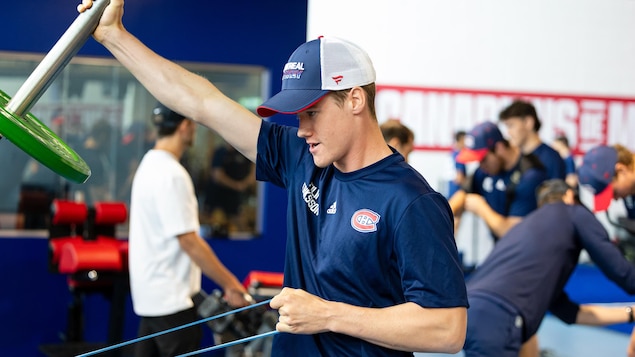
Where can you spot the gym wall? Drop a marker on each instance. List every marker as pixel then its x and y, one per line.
pixel 447 65
pixel 34 301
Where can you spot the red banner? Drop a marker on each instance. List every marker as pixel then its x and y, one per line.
pixel 434 114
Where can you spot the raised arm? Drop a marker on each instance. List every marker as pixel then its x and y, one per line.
pixel 182 91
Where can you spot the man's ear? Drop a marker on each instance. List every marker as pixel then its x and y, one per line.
pixel 357 98
pixel 569 197
pixel 530 123
pixel 619 168
pixel 184 124
pixel 498 147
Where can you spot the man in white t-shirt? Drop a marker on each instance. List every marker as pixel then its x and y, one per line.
pixel 167 254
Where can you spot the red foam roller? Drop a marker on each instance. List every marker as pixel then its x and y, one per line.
pixel 68 212
pixel 56 247
pixel 264 278
pixel 89 255
pixel 110 212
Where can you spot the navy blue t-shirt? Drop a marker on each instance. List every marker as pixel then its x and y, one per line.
pixel 629 204
pixel 495 190
pixel 458 167
pixel 569 165
pixel 376 237
pixel 553 162
pixel 530 265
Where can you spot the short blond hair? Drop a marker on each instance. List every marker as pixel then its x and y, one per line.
pixel 624 156
pixel 369 89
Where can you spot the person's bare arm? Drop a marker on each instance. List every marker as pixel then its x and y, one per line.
pixel 530 348
pixel 496 222
pixel 406 327
pixel 181 90
pixel 630 350
pixel 598 315
pixel 457 202
pixel 203 255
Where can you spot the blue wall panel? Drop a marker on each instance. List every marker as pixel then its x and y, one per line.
pixel 34 301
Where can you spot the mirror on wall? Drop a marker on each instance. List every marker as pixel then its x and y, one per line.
pixel 100 110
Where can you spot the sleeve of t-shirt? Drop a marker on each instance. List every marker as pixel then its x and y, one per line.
pixel 569 165
pixel 460 167
pixel 279 151
pixel 602 251
pixel 557 168
pixel 178 208
pixel 431 273
pixel 565 309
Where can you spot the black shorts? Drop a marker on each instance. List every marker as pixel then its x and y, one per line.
pixel 172 343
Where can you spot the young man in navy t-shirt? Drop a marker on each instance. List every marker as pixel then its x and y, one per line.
pixel 523 124
pixel 371 265
pixel 502 190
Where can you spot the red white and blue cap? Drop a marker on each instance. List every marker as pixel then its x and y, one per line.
pixel 597 172
pixel 316 68
pixel 481 139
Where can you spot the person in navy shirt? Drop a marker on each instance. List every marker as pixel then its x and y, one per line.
pixel 522 123
pixel 371 265
pixel 459 171
pixel 502 190
pixel 561 145
pixel 525 274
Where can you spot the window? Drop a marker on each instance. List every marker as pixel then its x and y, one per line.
pixel 99 109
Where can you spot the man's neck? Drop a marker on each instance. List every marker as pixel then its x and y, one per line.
pixel 511 157
pixel 532 143
pixel 170 144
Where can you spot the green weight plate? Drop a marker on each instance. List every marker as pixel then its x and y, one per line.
pixel 37 140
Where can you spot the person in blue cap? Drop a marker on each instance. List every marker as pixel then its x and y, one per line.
pixel 524 276
pixel 371 265
pixel 609 172
pixel 502 189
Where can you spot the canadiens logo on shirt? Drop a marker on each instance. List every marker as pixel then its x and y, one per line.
pixel 365 220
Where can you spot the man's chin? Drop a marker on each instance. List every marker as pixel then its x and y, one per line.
pixel 320 163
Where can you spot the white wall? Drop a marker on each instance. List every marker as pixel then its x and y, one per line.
pixel 571 46
pixel 569 49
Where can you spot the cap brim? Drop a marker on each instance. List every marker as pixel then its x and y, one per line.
pixel 290 101
pixel 470 155
pixel 602 200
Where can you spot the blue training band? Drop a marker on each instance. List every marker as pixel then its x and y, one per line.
pixel 112 347
pixel 230 343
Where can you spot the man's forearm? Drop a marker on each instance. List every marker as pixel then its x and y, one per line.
pixel 597 315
